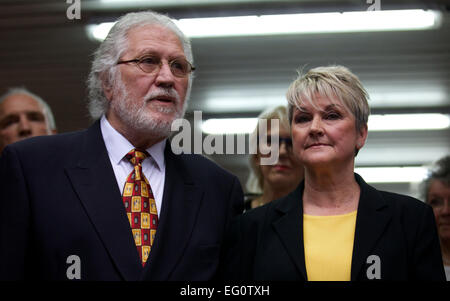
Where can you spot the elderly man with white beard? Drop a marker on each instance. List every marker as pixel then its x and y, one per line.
pixel 113 202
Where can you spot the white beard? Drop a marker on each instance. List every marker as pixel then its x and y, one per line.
pixel 136 116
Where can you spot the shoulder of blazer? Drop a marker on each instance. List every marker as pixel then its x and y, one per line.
pixel 404 201
pixel 397 202
pixel 51 147
pixel 405 209
pixel 271 212
pixel 410 210
pixel 66 149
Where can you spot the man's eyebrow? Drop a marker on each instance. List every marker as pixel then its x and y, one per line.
pixel 7 118
pixel 9 115
pixel 150 52
pixel 16 114
pixel 35 114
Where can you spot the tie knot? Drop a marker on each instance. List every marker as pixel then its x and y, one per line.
pixel 136 156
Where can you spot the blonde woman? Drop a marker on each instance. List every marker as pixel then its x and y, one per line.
pixel 271 182
pixel 334 226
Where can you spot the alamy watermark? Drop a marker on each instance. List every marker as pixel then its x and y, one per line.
pixel 73 10
pixel 376 5
pixel 74 269
pixel 374 270
pixel 187 141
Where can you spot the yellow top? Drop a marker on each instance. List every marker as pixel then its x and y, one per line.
pixel 328 242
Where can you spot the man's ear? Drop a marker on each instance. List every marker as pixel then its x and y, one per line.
pixel 106 86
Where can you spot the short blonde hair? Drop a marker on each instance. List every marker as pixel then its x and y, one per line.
pixel 331 82
pixel 255 180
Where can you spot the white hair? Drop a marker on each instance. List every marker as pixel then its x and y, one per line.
pixel 50 119
pixel 104 65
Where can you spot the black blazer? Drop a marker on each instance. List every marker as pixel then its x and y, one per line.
pixel 59 197
pixel 266 243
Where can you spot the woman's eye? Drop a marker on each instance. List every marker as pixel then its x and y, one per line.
pixel 301 118
pixel 332 116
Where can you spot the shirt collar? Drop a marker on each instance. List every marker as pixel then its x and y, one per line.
pixel 118 146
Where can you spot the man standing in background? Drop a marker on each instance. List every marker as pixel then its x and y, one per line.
pixel 23 115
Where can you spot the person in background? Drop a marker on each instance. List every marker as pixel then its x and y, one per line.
pixel 114 202
pixel 333 226
pixel 436 192
pixel 23 115
pixel 270 182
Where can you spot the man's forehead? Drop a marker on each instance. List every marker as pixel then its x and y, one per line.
pixel 19 103
pixel 152 37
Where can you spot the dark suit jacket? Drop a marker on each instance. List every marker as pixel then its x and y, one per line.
pixel 266 243
pixel 59 197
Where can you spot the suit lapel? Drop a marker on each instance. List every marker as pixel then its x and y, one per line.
pixel 372 218
pixel 181 203
pixel 94 182
pixel 289 227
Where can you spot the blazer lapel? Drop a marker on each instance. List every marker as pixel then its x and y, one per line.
pixel 372 218
pixel 289 227
pixel 94 182
pixel 181 203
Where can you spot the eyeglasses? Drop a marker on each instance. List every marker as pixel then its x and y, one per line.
pixel 179 67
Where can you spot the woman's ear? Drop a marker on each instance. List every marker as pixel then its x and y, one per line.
pixel 361 140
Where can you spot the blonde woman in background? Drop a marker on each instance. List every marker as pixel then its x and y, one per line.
pixel 271 182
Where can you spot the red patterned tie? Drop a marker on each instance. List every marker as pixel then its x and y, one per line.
pixel 140 205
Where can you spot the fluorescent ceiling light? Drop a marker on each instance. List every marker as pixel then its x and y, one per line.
pixel 219 126
pixel 159 2
pixel 415 19
pixel 248 103
pixel 99 31
pixel 258 98
pixel 122 1
pixel 382 97
pixel 392 122
pixel 392 174
pixel 408 122
pixel 310 23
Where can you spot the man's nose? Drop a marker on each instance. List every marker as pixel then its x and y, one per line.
pixel 165 77
pixel 24 127
pixel 446 208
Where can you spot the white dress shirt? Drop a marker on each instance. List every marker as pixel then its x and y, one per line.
pixel 154 167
